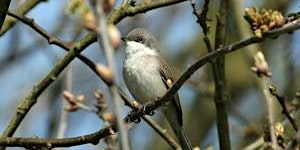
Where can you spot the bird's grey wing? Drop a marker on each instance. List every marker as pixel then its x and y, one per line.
pixel 168 79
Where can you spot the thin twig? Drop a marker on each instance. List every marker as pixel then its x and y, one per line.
pixel 37 90
pixel 63 122
pixel 162 132
pixel 30 22
pixel 3 9
pixel 270 109
pixel 201 17
pixel 262 70
pixel 37 143
pixel 218 68
pixel 53 40
pixel 125 10
pixel 20 10
pixel 285 111
pixel 106 47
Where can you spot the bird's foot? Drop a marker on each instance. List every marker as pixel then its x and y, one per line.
pixel 133 113
pixel 146 109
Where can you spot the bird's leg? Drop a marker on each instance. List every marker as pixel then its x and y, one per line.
pixel 146 109
pixel 132 113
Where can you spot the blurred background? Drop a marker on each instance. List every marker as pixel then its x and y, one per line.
pixel 26 58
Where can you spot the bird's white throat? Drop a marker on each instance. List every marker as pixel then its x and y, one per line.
pixel 139 49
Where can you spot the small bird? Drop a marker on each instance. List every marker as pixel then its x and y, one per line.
pixel 148 77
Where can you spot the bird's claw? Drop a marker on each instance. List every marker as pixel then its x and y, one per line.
pixel 129 119
pixel 147 112
pixel 138 120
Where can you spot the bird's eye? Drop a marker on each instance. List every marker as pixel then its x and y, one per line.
pixel 140 39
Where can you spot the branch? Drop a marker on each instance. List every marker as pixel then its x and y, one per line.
pixel 20 10
pixel 106 47
pixel 55 41
pixel 3 9
pixel 218 68
pixel 201 16
pixel 30 22
pixel 92 138
pixel 290 136
pixel 281 101
pixel 51 143
pixel 129 10
pixel 31 99
pixel 270 112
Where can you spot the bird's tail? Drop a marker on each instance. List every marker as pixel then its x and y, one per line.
pixel 182 138
pixel 176 126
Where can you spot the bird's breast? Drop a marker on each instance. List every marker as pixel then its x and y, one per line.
pixel 142 77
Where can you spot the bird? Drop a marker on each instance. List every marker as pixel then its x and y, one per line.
pixel 147 76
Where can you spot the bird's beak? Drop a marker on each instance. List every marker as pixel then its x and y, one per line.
pixel 125 39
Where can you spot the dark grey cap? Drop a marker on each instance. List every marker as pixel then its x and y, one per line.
pixel 141 35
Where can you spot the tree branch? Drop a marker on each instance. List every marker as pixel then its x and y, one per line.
pixel 281 101
pixel 20 10
pixel 3 9
pixel 51 143
pixel 218 69
pixel 270 111
pixel 129 10
pixel 31 99
pixel 107 49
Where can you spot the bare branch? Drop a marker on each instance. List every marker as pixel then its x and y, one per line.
pixel 218 68
pixel 128 10
pixel 285 111
pixel 201 16
pixel 106 47
pixel 270 111
pixel 31 98
pixel 3 9
pixel 20 10
pixel 51 143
